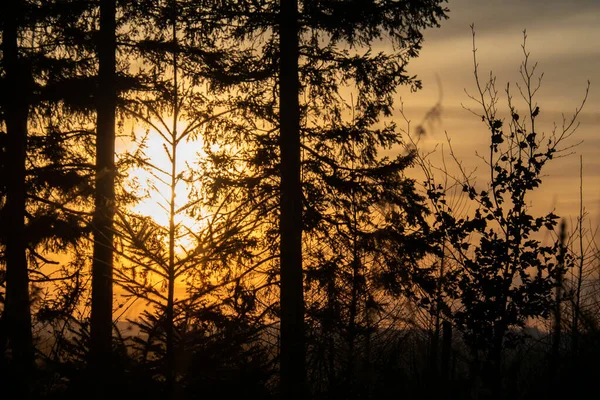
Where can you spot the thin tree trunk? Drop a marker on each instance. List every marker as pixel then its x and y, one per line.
pixel 102 266
pixel 355 291
pixel 446 351
pixel 170 355
pixel 329 332
pixel 577 306
pixel 354 297
pixel 435 340
pixel 553 384
pixel 368 364
pixel 351 338
pixel 16 105
pixel 290 225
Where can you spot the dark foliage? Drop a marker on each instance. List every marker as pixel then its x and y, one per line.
pixel 313 266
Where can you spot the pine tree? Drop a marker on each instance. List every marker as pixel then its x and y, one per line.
pixel 16 102
pixel 55 171
pixel 199 248
pixel 280 138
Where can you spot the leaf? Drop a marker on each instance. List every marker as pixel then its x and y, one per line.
pixel 497 138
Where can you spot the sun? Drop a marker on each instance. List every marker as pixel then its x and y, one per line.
pixel 160 171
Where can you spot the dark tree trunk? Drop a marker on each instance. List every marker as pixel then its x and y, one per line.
pixel 16 101
pixel 554 383
pixel 170 311
pixel 579 282
pixel 434 362
pixel 102 295
pixel 329 332
pixel 292 301
pixel 353 311
pixel 446 351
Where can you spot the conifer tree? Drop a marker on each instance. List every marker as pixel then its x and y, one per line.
pixel 188 270
pixel 16 103
pixel 53 179
pixel 317 51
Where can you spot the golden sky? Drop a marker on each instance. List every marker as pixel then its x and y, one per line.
pixel 564 38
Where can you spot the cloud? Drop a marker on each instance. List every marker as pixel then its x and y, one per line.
pixel 557 29
pixel 562 38
pixel 492 17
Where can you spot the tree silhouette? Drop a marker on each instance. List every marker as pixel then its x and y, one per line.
pixel 302 262
pixel 292 368
pixel 201 249
pixel 505 274
pixel 366 240
pixel 316 51
pixel 56 169
pixel 16 101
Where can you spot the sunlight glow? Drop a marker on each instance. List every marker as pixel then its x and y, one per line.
pixel 153 184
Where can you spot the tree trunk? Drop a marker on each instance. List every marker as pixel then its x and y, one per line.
pixel 577 305
pixel 102 266
pixel 434 363
pixel 17 99
pixel 329 333
pixel 554 383
pixel 353 311
pixel 170 322
pixel 290 225
pixel 446 351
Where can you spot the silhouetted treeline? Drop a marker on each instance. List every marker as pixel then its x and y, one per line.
pixel 302 261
